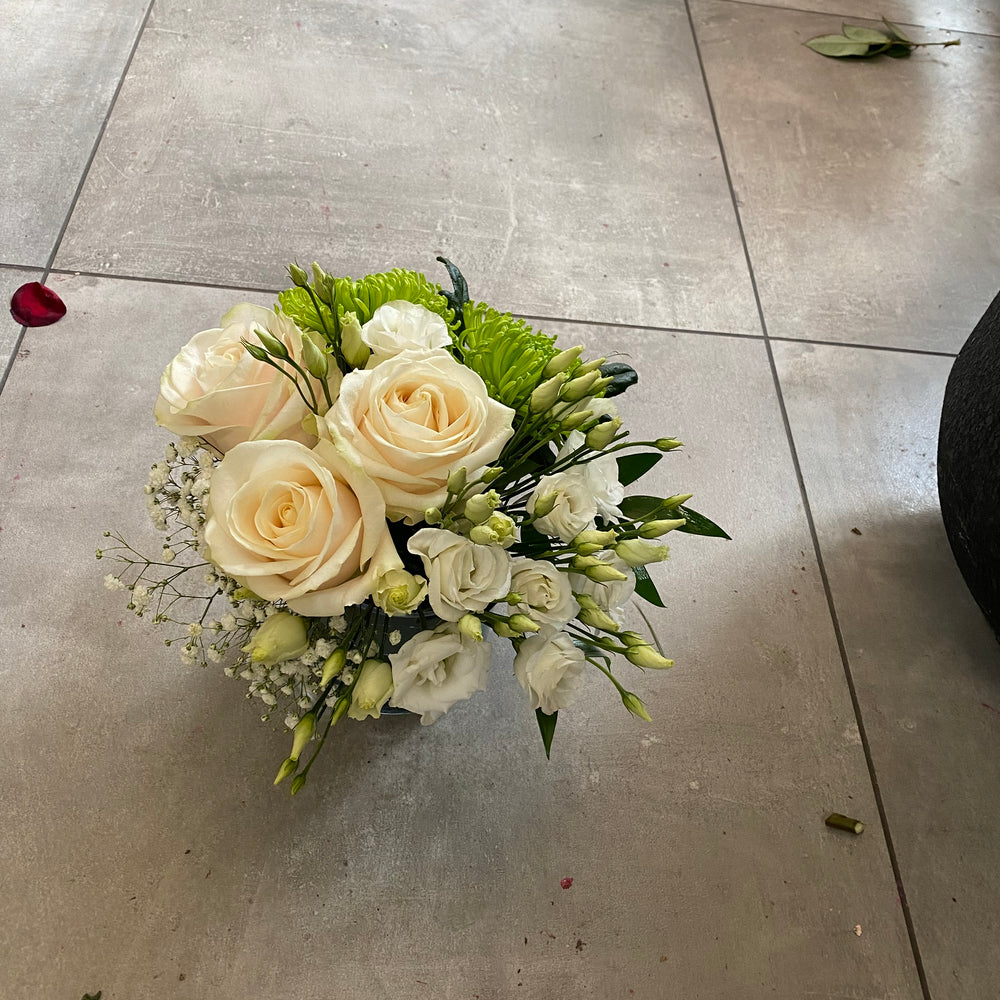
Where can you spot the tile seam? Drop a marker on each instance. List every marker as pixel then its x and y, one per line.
pixel 817 550
pixel 47 269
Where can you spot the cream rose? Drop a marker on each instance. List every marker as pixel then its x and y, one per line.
pixel 548 666
pixel 435 669
pixel 414 419
pixel 299 525
pixel 216 390
pixel 461 576
pixel 403 326
pixel 546 592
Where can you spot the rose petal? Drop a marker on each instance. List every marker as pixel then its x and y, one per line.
pixel 34 304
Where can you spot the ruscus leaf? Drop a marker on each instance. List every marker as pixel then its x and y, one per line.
pixel 837 46
pixel 645 587
pixel 547 726
pixel 633 467
pixel 698 524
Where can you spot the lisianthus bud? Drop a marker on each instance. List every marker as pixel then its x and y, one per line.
pixel 255 351
pixel 290 766
pixel 314 357
pixel 322 283
pixel 676 500
pixel 283 636
pixel 499 529
pixel 589 366
pixel 298 275
pixel 544 396
pixel 638 552
pixel 490 474
pixel 303 733
pixel 603 573
pixel 514 598
pixel 471 627
pixel 398 592
pixel 372 691
pixel 600 437
pixel 575 420
pixel 653 529
pixel 458 480
pixel 297 782
pixel 503 630
pixel 596 618
pixel 272 345
pixel 646 656
pixel 634 704
pixel 432 515
pixel 668 444
pixel 332 666
pixel 594 536
pixel 561 361
pixel 544 504
pixel 523 624
pixel 575 389
pixel 356 352
pixel 244 594
pixel 633 639
pixel 479 507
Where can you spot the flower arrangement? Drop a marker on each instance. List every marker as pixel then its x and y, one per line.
pixel 373 474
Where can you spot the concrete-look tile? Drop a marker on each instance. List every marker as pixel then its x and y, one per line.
pixel 143 845
pixel 565 154
pixel 62 63
pixel 867 188
pixel 925 664
pixel 963 15
pixel 10 330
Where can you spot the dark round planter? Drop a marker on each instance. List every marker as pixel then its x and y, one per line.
pixel 968 463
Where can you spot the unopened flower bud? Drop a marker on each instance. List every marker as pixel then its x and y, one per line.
pixel 332 666
pixel 523 624
pixel 646 656
pixel 653 529
pixel 594 536
pixel 600 437
pixel 514 598
pixel 432 515
pixel 372 690
pixel 561 361
pixel 575 389
pixel 638 552
pixel 634 704
pixel 458 480
pixel 676 500
pixel 544 396
pixel 596 618
pixel 298 275
pixel 255 351
pixel 589 366
pixel 580 564
pixel 303 733
pixel 575 420
pixel 479 507
pixel 503 630
pixel 668 444
pixel 633 639
pixel 356 352
pixel 492 473
pixel 544 503
pixel 314 357
pixel 603 573
pixel 297 782
pixel 272 345
pixel 283 636
pixel 322 283
pixel 289 767
pixel 471 627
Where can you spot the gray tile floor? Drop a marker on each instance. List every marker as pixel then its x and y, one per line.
pixel 790 249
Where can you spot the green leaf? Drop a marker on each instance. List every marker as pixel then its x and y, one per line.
pixel 96 996
pixel 632 467
pixel 870 36
pixel 895 30
pixel 640 507
pixel 698 524
pixel 547 725
pixel 837 46
pixel 645 587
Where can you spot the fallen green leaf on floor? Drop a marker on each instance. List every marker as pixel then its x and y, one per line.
pixel 864 42
pixel 96 996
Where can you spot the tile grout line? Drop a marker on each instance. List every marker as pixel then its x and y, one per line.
pixel 833 15
pixel 838 632
pixel 47 270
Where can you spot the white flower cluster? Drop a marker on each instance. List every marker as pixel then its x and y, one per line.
pixel 356 461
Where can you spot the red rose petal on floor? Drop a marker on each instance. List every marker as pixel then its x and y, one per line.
pixel 565 882
pixel 35 305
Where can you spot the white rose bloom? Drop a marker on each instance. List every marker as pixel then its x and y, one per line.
pixel 403 326
pixel 215 389
pixel 548 595
pixel 461 576
pixel 413 420
pixel 610 597
pixel 548 666
pixel 435 669
pixel 301 526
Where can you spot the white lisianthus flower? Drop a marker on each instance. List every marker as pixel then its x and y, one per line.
pixel 546 592
pixel 398 592
pixel 411 421
pixel 437 668
pixel 610 597
pixel 306 527
pixel 215 389
pixel 403 326
pixel 548 666
pixel 461 575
